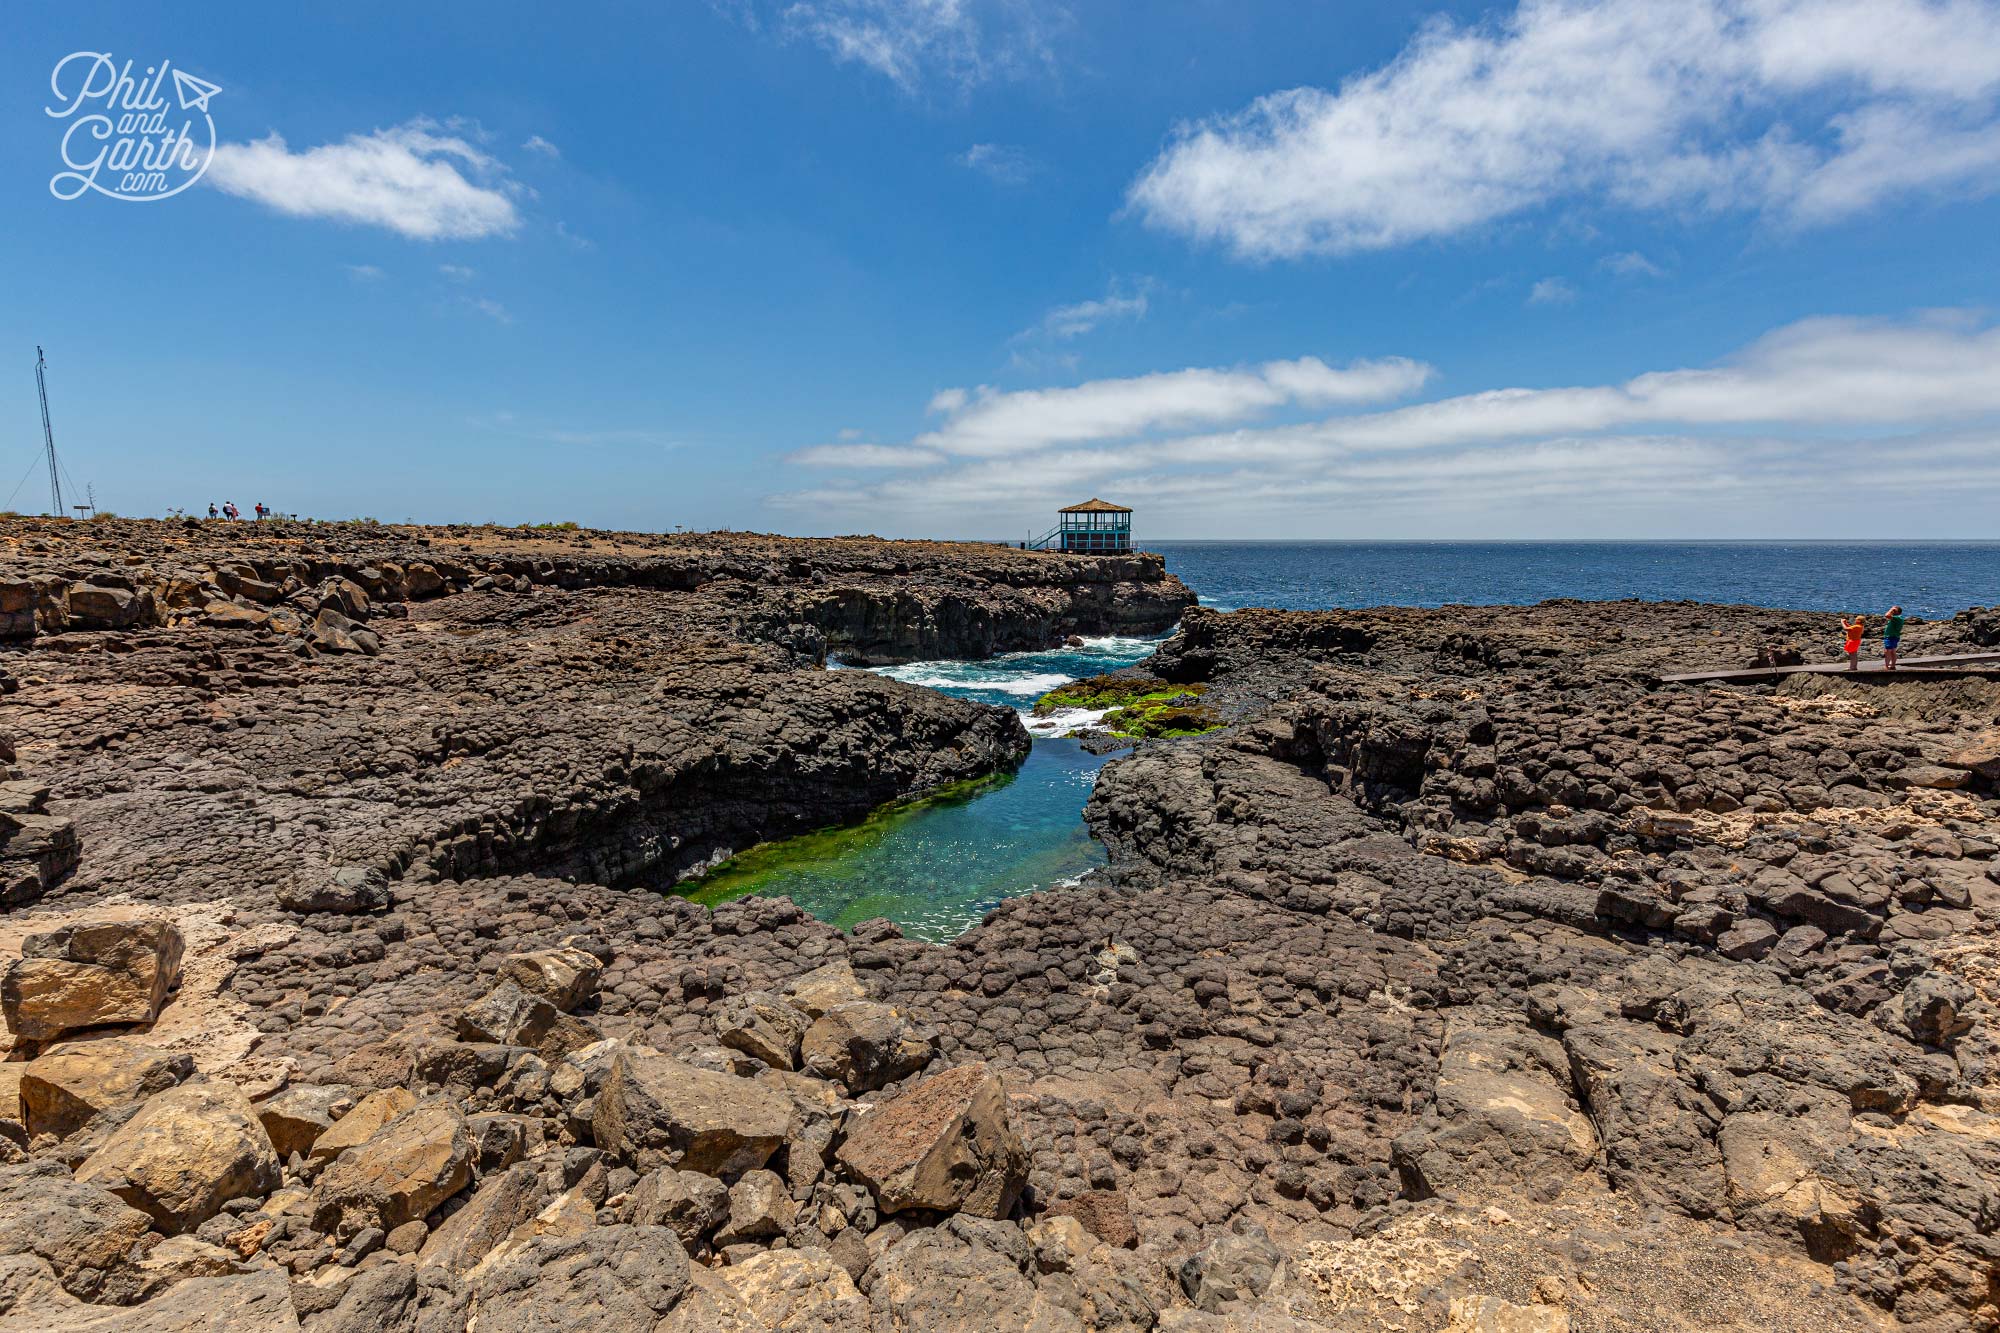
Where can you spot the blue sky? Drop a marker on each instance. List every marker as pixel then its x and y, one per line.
pixel 1706 268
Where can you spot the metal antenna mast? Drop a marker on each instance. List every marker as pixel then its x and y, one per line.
pixel 48 435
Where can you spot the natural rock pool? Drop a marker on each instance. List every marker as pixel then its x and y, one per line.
pixel 937 865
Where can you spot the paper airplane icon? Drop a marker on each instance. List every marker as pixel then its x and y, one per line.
pixel 194 93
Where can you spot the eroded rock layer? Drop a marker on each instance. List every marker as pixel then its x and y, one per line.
pixel 1469 978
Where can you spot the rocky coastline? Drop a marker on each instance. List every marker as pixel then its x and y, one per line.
pixel 1467 977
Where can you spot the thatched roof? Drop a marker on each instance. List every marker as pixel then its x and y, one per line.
pixel 1094 506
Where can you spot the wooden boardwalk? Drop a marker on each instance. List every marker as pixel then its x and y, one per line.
pixel 1949 664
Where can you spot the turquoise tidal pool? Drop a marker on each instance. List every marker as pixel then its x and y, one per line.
pixel 936 866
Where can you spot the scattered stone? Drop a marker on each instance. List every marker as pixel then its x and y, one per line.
pixel 945 1144
pixel 188 1151
pixel 655 1111
pixel 764 1027
pixel 615 1277
pixel 85 976
pixel 864 1045
pixel 405 1169
pixel 565 977
pixel 65 1090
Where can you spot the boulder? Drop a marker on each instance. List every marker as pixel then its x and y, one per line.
pixel 1238 1266
pixel 502 1204
pixel 92 607
pixel 177 1259
pixel 824 987
pixel 1502 1118
pixel 362 1123
pixel 864 1045
pixel 399 1174
pixel 507 1015
pixel 565 977
pixel 759 1207
pixel 63 1091
pixel 616 1277
pixel 944 1144
pixel 654 1111
pixel 188 1151
pixel 762 1026
pixel 259 1301
pixel 798 1291
pixel 1980 756
pixel 84 976
pixel 966 1276
pixel 346 890
pixel 690 1203
pixel 82 1232
pixel 297 1116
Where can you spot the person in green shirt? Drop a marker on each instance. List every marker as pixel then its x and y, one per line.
pixel 1892 636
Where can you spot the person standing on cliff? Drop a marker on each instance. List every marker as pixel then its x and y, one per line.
pixel 1892 637
pixel 1853 649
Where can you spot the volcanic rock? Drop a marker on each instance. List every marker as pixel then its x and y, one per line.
pixel 88 975
pixel 655 1111
pixel 188 1151
pixel 944 1143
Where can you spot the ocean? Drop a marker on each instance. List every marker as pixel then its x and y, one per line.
pixel 1926 578
pixel 936 867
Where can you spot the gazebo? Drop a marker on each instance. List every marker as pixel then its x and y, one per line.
pixel 1095 527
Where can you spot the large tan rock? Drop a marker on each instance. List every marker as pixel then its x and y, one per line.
pixel 298 1116
pixel 824 987
pixel 944 1144
pixel 88 975
pixel 254 1302
pixel 186 1153
pixel 762 1026
pixel 864 1045
pixel 508 1015
pixel 63 1091
pixel 1503 1118
pixel 798 1291
pixel 405 1169
pixel 10 1089
pixel 564 977
pixel 361 1124
pixel 654 1111
pixel 501 1205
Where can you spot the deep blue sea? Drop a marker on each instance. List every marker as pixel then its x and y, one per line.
pixel 1927 578
pixel 938 867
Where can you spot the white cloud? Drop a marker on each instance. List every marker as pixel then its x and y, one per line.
pixel 989 422
pixel 866 456
pixel 363 272
pixel 490 308
pixel 1551 291
pixel 457 272
pixel 414 179
pixel 911 42
pixel 1631 264
pixel 1817 415
pixel 537 144
pixel 1073 321
pixel 1000 163
pixel 1810 110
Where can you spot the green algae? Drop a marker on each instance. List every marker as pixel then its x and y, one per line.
pixel 1139 706
pixel 936 865
pixel 749 871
